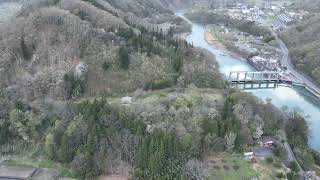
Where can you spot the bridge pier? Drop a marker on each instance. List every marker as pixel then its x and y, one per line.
pixel 245 76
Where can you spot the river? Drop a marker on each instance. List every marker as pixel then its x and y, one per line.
pixel 7 9
pixel 281 96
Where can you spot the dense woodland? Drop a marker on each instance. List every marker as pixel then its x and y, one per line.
pixel 65 65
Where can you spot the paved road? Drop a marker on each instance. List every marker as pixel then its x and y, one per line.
pixel 286 61
pixel 291 157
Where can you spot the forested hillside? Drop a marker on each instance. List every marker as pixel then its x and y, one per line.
pixel 102 87
pixel 303 41
pixel 57 54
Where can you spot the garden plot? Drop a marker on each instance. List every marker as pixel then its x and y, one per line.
pixel 230 167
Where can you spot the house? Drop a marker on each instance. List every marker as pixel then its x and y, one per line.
pixel 266 141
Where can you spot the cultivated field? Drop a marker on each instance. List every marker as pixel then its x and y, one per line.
pixel 235 167
pixel 230 167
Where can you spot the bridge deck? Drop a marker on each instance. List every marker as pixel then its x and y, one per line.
pixel 260 77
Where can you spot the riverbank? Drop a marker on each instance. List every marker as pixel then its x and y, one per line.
pixel 213 41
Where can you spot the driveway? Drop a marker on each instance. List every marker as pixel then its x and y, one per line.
pixel 262 152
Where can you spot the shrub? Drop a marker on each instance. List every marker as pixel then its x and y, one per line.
pixel 292 176
pixel 74 87
pixel 268 38
pixel 158 84
pixel 279 151
pixel 83 14
pixel 106 65
pixel 316 156
pixel 269 160
pixel 181 101
pixel 235 167
pixel 26 51
pixel 277 164
pixel 294 166
pixel 226 167
pixel 281 175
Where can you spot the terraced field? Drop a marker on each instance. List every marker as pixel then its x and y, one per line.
pixel 7 10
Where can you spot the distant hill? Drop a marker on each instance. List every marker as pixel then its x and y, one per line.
pixel 307 5
pixel 303 41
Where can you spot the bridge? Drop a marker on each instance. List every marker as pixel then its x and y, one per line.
pixel 238 77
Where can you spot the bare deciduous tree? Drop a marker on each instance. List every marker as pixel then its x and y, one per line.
pixel 230 139
pixel 196 170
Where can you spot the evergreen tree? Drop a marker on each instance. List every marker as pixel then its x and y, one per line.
pixel 91 168
pixel 65 153
pixel 124 57
pixel 162 157
pixel 102 162
pixel 26 52
pixel 50 146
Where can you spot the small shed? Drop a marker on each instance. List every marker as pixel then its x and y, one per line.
pixel 266 141
pixel 249 155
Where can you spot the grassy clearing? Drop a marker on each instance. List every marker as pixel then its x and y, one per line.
pixel 42 163
pixel 158 93
pixel 234 167
pixel 231 167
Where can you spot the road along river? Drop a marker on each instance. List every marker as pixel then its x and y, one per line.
pixel 281 96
